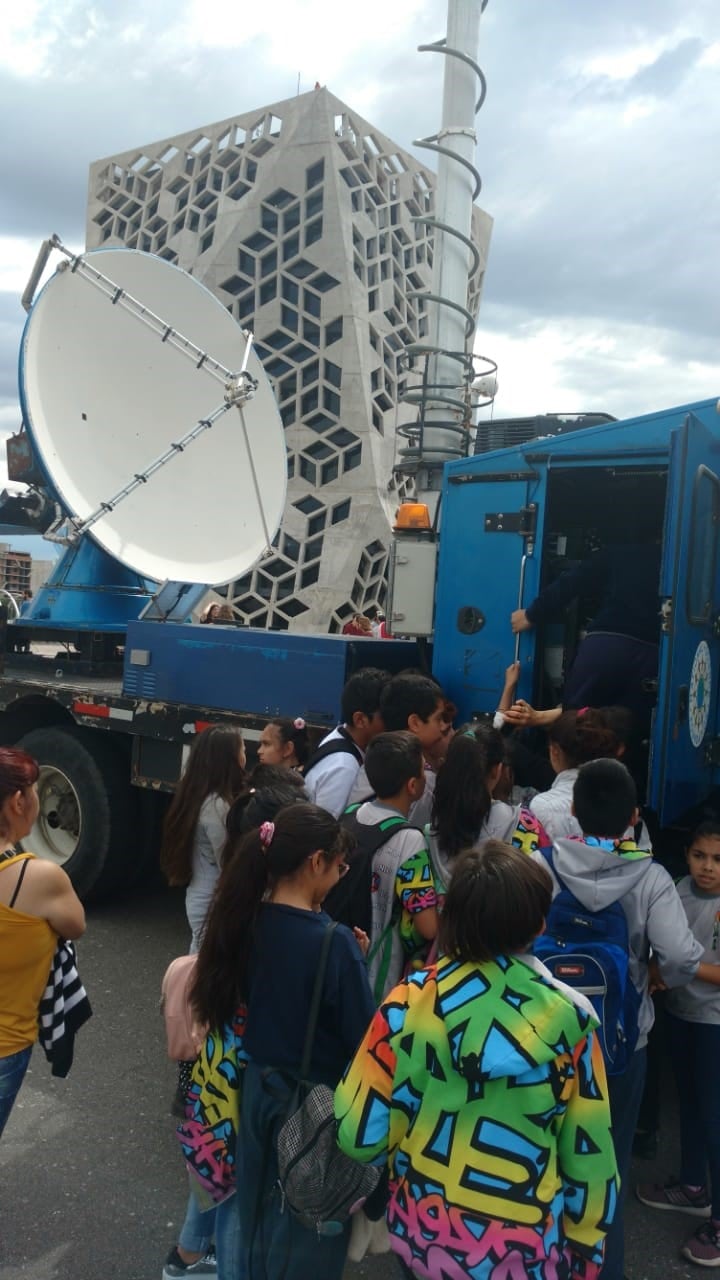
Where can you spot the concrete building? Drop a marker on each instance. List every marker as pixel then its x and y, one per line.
pixel 15 570
pixel 307 222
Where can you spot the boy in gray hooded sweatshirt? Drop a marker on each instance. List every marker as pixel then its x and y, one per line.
pixel 601 868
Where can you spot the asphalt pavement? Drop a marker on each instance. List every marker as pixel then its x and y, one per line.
pixel 91 1184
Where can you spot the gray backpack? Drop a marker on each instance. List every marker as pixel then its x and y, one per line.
pixel 321 1186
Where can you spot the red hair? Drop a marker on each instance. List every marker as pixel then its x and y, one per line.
pixel 18 771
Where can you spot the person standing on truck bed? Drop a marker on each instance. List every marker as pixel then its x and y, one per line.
pixel 620 651
pixel 331 771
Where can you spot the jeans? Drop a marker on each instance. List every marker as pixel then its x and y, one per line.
pixel 625 1092
pixel 12 1074
pixel 695 1054
pixel 220 1223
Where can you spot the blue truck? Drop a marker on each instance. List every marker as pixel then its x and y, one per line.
pixel 111 734
pixel 512 519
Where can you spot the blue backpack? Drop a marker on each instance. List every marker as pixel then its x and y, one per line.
pixel 589 951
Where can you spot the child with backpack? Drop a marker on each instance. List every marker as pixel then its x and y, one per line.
pixel 482 1086
pixel 464 810
pixel 331 772
pixel 264 943
pixel 693 1026
pixel 389 891
pixel 612 904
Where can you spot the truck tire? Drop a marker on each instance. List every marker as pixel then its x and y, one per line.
pixel 86 807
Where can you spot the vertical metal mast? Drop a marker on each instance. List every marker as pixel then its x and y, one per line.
pixel 442 398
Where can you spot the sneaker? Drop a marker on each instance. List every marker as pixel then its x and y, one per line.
pixel 674 1196
pixel 704 1247
pixel 175 1267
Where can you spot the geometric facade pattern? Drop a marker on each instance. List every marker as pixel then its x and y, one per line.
pixel 299 218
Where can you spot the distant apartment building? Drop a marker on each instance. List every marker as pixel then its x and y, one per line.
pixel 15 570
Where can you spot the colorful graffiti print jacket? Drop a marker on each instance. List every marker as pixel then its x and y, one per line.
pixel 484 1088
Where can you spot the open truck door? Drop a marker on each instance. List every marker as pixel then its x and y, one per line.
pixel 685 747
pixel 491 523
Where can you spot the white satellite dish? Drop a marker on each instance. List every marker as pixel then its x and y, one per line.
pixel 108 386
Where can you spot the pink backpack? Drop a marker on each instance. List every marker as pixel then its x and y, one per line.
pixel 185 1034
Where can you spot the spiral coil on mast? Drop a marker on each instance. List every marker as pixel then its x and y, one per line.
pixel 454 401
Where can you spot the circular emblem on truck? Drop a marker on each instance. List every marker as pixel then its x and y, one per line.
pixel 700 689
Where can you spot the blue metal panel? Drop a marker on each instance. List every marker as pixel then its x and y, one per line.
pixel 682 772
pixel 648 434
pixel 483 570
pixel 88 590
pixel 265 673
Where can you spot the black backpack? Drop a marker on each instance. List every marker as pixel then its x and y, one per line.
pixel 349 901
pixel 343 744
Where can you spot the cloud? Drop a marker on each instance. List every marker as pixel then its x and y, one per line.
pixel 584 365
pixel 596 147
pixel 644 72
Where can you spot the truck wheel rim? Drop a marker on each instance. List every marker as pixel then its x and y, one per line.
pixel 56 834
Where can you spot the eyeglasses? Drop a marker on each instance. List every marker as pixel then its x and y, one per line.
pixel 343 868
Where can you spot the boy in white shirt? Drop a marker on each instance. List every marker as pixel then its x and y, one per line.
pixel 331 772
pixel 403 897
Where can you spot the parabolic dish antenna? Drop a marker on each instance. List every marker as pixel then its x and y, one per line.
pixel 173 466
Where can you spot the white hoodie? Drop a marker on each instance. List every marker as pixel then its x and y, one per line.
pixel 599 874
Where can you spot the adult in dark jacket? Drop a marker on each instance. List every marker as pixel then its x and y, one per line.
pixel 620 651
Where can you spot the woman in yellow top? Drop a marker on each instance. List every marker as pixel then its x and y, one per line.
pixel 37 906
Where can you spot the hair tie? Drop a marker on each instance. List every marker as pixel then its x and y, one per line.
pixel 267 831
pixel 298 723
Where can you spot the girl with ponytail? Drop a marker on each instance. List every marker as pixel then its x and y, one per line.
pixel 464 809
pixel 285 743
pixel 261 948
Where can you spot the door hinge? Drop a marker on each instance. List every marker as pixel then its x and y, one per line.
pixel 666 613
pixel 712 753
pixel 523 521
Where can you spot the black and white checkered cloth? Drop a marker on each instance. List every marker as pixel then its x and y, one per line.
pixel 63 1010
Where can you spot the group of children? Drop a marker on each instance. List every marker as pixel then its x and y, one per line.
pixel 480 1081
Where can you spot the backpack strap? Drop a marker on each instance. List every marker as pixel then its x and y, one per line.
pixel 315 1002
pixel 340 745
pixel 385 829
pixel 547 853
pixel 385 942
pixel 440 884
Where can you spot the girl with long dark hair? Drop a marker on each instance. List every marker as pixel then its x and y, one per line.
pixel 273 789
pixel 261 948
pixel 464 811
pixel 194 833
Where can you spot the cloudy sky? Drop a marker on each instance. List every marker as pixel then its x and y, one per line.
pixel 598 147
